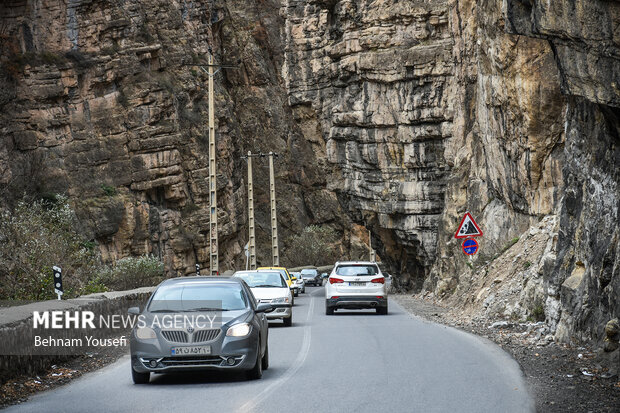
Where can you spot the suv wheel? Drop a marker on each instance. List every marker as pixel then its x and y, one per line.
pixel 382 310
pixel 329 310
pixel 288 321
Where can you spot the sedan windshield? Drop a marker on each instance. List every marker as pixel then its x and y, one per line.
pixel 263 279
pixel 198 297
pixel 357 270
pixel 309 273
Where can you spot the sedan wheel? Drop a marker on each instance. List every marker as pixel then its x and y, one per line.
pixel 265 361
pixel 140 378
pixel 257 371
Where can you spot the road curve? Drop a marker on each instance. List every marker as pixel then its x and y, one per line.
pixel 351 361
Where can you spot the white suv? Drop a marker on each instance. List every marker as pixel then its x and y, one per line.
pixel 354 285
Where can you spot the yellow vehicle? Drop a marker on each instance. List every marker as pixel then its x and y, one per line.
pixel 289 279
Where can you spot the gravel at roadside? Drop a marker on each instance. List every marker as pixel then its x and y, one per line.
pixel 17 389
pixel 561 378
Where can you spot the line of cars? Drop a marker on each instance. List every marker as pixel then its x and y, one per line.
pixel 212 323
pixel 221 323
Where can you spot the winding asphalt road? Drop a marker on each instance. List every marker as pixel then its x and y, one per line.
pixel 354 361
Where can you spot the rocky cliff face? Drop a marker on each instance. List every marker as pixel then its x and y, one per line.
pixel 583 285
pixel 399 116
pixel 543 80
pixel 376 76
pixel 506 109
pixel 103 100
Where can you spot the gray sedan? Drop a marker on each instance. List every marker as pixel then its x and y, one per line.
pixel 311 276
pixel 200 323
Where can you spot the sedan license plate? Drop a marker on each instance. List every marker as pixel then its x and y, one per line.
pixel 190 351
pixel 357 284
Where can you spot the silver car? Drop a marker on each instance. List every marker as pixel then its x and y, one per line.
pixel 270 287
pixel 200 323
pixel 299 282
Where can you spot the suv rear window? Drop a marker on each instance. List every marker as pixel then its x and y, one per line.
pixel 357 270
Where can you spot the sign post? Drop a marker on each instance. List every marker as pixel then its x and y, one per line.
pixel 468 229
pixel 58 281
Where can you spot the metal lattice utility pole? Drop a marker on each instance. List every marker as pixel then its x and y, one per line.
pixel 251 226
pixel 274 219
pixel 251 235
pixel 213 241
pixel 372 251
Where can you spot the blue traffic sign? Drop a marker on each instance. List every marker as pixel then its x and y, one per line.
pixel 470 246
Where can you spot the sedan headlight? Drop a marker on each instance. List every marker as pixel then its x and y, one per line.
pixel 144 333
pixel 280 300
pixel 239 330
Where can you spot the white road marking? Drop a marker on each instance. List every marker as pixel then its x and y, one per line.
pixel 290 372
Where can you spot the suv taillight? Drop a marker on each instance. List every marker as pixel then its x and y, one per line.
pixel 335 281
pixel 378 280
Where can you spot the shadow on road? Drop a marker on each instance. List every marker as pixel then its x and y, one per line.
pixel 360 313
pixel 295 324
pixel 197 378
pixel 206 377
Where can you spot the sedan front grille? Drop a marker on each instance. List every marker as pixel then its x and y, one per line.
pixel 202 336
pixel 175 336
pixel 191 361
pixel 199 361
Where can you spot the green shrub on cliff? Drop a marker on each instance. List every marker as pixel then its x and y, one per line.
pixel 35 236
pixel 132 272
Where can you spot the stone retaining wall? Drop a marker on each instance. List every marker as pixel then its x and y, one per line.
pixel 16 328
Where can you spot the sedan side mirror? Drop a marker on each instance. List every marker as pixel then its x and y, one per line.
pixel 134 310
pixel 264 308
pixel 294 278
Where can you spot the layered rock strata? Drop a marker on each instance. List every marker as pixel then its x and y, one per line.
pixel 105 101
pixel 376 75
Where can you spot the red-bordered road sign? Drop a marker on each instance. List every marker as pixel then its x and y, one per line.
pixel 468 228
pixel 470 246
